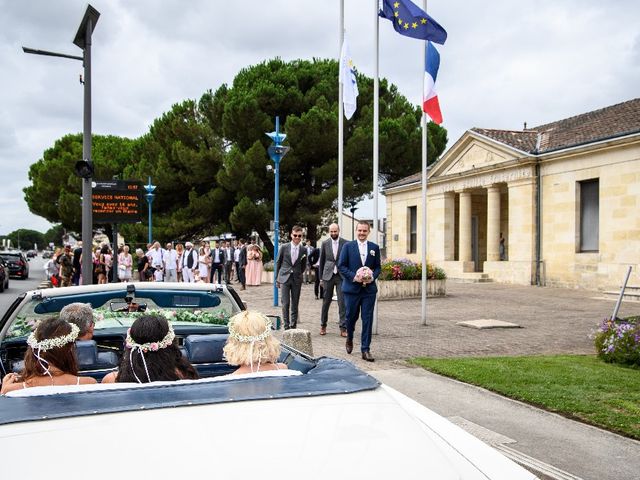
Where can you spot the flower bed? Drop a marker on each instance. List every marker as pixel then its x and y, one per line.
pixel 404 269
pixel 618 341
pixel 402 278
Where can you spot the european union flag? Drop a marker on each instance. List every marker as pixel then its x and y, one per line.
pixel 412 21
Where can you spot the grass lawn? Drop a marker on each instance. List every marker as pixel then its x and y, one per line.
pixel 577 386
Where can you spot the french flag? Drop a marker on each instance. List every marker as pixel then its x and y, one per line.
pixel 430 104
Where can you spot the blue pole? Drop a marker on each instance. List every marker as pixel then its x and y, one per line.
pixel 276 216
pixel 150 233
pixel 149 196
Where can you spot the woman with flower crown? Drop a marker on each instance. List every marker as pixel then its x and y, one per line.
pixel 50 358
pixel 151 354
pixel 251 346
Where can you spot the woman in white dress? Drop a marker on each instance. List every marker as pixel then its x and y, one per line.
pixel 125 264
pixel 203 265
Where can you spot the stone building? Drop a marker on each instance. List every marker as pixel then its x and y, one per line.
pixel 563 197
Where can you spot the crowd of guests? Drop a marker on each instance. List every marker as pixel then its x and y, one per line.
pixel 226 261
pixel 151 351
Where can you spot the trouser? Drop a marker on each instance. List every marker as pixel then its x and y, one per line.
pixel 290 299
pixel 187 275
pixel 327 297
pixel 170 275
pixel 215 267
pixel 318 287
pixel 227 272
pixel 241 277
pixel 355 304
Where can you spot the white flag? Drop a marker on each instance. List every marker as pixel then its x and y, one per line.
pixel 348 80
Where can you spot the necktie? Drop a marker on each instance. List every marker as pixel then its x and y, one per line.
pixel 335 255
pixel 294 254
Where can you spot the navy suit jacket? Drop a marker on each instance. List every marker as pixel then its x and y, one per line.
pixel 350 262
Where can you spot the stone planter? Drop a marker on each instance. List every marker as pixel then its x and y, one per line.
pixel 397 289
pixel 267 277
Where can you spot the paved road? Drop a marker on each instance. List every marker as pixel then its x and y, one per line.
pixel 17 286
pixel 553 321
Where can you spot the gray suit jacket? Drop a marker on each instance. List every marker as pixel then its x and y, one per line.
pixel 327 260
pixel 286 268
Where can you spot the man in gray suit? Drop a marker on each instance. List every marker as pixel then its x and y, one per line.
pixel 329 255
pixel 291 263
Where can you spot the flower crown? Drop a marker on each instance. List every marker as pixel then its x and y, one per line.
pixel 55 342
pixel 250 338
pixel 151 346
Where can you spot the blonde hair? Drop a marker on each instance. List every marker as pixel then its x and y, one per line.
pixel 245 345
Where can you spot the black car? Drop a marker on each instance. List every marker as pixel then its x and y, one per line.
pixel 4 275
pixel 17 262
pixel 32 253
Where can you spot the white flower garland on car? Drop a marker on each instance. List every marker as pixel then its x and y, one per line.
pixel 56 342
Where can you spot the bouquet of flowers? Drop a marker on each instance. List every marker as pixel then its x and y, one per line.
pixel 364 275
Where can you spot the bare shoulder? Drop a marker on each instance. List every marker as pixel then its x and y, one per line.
pixel 109 378
pixel 87 380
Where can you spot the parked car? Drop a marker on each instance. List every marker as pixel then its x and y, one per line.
pixel 47 254
pixel 32 253
pixel 17 262
pixel 321 418
pixel 4 275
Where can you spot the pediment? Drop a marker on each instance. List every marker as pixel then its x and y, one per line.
pixel 471 153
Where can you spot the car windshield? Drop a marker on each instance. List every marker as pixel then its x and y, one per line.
pixel 10 256
pixel 196 309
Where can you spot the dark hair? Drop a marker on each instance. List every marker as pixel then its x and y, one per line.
pixel 163 364
pixel 296 228
pixel 104 249
pixel 63 357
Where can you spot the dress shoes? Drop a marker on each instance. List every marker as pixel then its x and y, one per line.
pixel 343 332
pixel 323 330
pixel 367 356
pixel 349 346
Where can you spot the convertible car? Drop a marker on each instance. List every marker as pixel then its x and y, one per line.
pixel 322 418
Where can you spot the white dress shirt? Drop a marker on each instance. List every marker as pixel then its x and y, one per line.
pixel 362 247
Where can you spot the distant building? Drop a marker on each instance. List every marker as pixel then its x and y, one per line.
pixel 564 196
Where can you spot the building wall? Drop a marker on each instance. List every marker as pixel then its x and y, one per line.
pixel 398 222
pixel 618 171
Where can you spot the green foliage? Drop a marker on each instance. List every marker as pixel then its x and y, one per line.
pixel 208 158
pixel 579 387
pixel 53 235
pixel 25 239
pixel 55 193
pixel 618 341
pixel 405 269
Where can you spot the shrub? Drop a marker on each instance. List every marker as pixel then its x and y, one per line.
pixel 404 269
pixel 268 267
pixel 618 341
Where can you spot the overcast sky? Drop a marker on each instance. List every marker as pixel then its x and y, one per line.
pixel 505 62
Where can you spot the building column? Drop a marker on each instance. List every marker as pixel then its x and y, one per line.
pixel 464 232
pixel 493 223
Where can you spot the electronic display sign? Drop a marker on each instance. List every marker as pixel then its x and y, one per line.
pixel 117 201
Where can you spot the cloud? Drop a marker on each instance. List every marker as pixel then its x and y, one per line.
pixel 504 63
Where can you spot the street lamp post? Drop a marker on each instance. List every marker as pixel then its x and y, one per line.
pixel 83 41
pixel 277 151
pixel 353 211
pixel 150 196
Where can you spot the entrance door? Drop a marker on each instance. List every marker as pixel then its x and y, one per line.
pixel 475 250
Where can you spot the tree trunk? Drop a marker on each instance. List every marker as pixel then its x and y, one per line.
pixel 268 244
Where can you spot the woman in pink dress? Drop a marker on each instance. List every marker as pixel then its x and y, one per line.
pixel 254 266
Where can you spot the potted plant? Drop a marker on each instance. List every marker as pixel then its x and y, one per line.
pixel 402 278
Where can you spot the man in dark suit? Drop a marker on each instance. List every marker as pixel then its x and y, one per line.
pixel 313 259
pixel 360 293
pixel 328 271
pixel 77 267
pixel 241 264
pixel 291 263
pixel 217 262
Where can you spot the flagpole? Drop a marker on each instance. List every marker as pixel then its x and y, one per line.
pixel 340 124
pixel 424 193
pixel 376 113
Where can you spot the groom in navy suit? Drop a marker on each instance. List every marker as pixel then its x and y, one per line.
pixel 359 294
